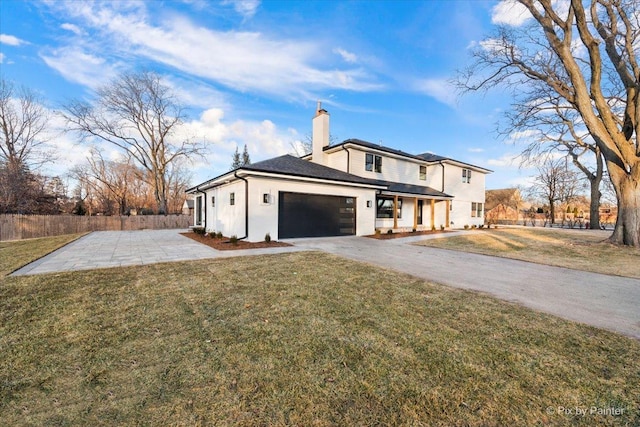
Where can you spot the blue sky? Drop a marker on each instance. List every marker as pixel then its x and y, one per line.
pixel 251 72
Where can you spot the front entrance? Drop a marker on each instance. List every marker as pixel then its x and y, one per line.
pixel 315 215
pixel 420 205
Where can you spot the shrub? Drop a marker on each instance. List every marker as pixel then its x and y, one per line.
pixel 441 227
pixel 389 231
pixel 466 226
pixel 267 237
pixel 433 228
pixel 413 230
pixel 481 226
pixel 378 231
pixel 219 235
pixel 233 240
pixel 199 230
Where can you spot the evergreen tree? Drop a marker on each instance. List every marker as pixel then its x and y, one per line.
pixel 246 160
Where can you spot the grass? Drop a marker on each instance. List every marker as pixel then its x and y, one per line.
pixel 576 249
pixel 16 254
pixel 296 339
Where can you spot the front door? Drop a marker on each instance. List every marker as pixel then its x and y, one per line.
pixel 420 204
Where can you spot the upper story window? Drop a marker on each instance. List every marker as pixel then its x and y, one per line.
pixel 373 163
pixel 466 176
pixel 423 173
pixel 232 199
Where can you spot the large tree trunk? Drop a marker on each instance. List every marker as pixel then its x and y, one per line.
pixel 627 186
pixel 594 207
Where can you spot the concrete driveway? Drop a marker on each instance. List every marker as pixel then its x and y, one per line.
pixel 599 300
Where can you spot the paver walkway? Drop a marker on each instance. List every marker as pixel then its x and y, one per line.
pixel 599 300
pixel 102 249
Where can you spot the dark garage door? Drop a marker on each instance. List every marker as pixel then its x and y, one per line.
pixel 313 215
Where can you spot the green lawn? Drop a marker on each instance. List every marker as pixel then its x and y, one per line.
pixel 296 339
pixel 16 254
pixel 577 249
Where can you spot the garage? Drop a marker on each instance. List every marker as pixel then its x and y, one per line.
pixel 315 215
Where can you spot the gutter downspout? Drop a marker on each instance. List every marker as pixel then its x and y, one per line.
pixel 204 201
pixel 246 205
pixel 348 157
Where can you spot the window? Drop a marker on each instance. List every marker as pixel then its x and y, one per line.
pixel 213 201
pixel 232 199
pixel 198 210
pixel 373 163
pixel 265 198
pixel 476 210
pixel 466 176
pixel 385 208
pixel 423 173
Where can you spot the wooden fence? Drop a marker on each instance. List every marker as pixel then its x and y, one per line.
pixel 17 227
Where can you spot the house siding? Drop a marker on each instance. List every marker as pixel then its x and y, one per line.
pixel 263 217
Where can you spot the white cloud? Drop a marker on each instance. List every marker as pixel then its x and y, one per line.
pixel 11 40
pixel 510 12
pixel 1 57
pixel 80 67
pixel 245 61
pixel 439 89
pixel 246 8
pixel 506 161
pixel 476 150
pixel 347 56
pixel 73 28
pixel 221 137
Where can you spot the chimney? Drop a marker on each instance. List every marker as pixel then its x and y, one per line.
pixel 320 135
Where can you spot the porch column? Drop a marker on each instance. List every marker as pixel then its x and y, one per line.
pixel 448 212
pixel 395 212
pixel 415 213
pixel 433 213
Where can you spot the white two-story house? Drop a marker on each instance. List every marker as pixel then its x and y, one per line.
pixel 351 188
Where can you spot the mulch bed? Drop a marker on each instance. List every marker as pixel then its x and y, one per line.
pixel 223 244
pixel 385 236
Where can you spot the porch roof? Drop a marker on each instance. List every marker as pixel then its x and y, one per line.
pixel 398 188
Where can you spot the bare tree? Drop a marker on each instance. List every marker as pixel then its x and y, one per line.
pixel 601 85
pixel 304 146
pixel 23 123
pixel 179 181
pixel 138 114
pixel 555 183
pixel 559 128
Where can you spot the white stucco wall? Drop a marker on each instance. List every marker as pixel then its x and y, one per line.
pixel 407 171
pixel 464 194
pixel 263 217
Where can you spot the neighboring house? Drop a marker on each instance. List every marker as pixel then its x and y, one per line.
pixel 187 207
pixel 504 205
pixel 352 188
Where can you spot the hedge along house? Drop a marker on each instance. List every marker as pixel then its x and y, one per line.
pixel 351 188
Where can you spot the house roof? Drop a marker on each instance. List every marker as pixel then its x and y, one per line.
pixel 425 157
pixel 418 190
pixel 290 165
pixel 294 166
